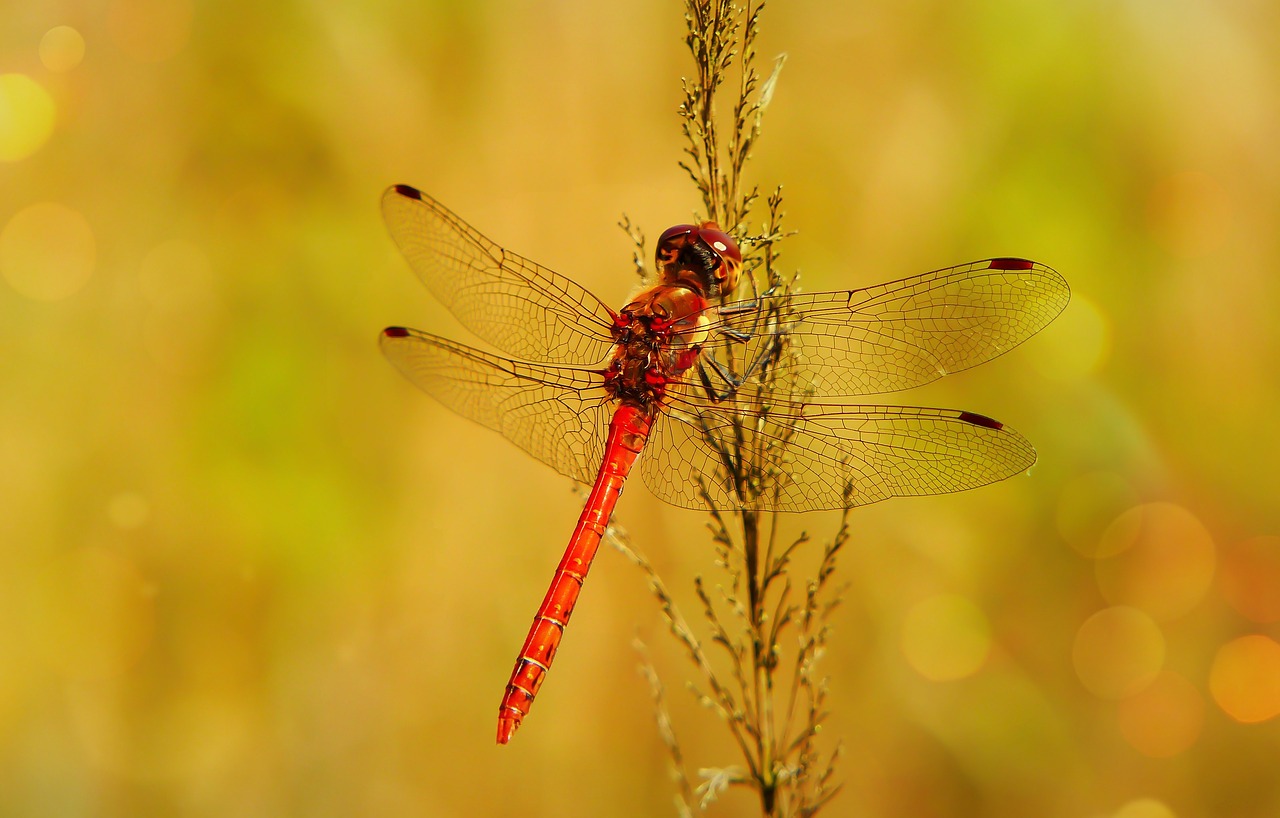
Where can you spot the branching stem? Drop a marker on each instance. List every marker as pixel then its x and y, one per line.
pixel 754 617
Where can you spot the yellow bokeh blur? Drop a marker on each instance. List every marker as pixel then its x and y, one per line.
pixel 26 117
pixel 1081 344
pixel 1245 678
pixel 99 612
pixel 1190 213
pixel 1158 558
pixel 177 282
pixel 176 276
pixel 1145 808
pixel 61 48
pixel 1118 652
pixel 1251 578
pixel 128 510
pixel 1089 505
pixel 150 30
pixel 47 252
pixel 1165 718
pixel 946 638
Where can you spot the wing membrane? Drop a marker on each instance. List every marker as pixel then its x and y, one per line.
pixel 880 339
pixel 905 333
pixel 871 452
pixel 522 308
pixel 558 414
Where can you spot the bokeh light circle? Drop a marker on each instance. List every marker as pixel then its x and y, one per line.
pixel 1118 652
pixel 47 252
pixel 1163 560
pixel 1145 808
pixel 1164 719
pixel 61 48
pixel 1078 345
pixel 945 638
pixel 1251 578
pixel 1245 678
pixel 26 117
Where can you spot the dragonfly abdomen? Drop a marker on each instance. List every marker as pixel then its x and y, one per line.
pixel 628 432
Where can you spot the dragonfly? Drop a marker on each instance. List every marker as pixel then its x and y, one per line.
pixel 678 373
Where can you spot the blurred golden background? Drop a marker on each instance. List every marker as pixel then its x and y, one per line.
pixel 245 569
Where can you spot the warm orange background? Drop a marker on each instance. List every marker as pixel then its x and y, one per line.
pixel 246 570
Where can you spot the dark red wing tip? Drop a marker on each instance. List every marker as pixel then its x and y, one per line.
pixel 1010 264
pixel 980 420
pixel 396 332
pixel 408 192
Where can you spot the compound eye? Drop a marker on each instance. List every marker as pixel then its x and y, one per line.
pixel 671 240
pixel 718 240
pixel 726 249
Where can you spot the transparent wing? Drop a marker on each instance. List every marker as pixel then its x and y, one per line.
pixel 520 307
pixel 558 414
pixel 901 334
pixel 829 456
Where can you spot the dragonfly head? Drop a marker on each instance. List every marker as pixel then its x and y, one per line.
pixel 703 255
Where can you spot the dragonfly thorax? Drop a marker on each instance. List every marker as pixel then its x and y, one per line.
pixel 658 335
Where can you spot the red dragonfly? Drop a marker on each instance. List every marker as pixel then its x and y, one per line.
pixel 587 387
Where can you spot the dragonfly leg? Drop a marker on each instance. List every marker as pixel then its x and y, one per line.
pixel 739 307
pixel 731 381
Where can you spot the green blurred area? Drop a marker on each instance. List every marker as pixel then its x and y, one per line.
pixel 246 569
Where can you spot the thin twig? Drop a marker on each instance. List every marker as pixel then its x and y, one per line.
pixel 771 624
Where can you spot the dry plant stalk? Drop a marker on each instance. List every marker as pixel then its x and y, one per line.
pixel 772 699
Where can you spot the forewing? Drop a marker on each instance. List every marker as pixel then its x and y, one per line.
pixel 902 334
pixel 829 456
pixel 558 414
pixel 520 307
